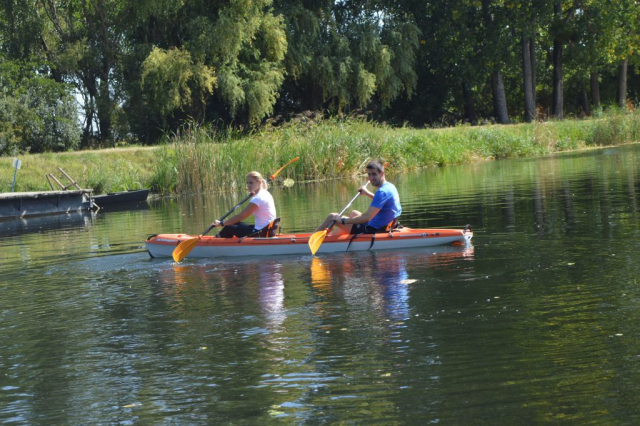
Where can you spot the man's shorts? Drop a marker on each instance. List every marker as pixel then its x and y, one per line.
pixel 362 228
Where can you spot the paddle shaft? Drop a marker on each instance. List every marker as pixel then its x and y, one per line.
pixel 345 209
pixel 228 213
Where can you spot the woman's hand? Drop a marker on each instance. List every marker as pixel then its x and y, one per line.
pixel 216 223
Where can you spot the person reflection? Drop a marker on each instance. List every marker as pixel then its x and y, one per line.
pixel 271 294
pixel 380 282
pixel 368 282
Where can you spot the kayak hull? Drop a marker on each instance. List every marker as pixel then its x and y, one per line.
pixel 162 245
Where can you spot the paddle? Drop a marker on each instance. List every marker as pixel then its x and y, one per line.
pixel 315 241
pixel 183 249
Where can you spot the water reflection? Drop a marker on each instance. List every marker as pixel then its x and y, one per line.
pixel 39 224
pixel 271 285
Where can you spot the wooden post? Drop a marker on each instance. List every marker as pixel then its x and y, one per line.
pixel 56 181
pixel 73 182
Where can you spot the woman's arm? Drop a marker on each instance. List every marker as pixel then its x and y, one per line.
pixel 245 213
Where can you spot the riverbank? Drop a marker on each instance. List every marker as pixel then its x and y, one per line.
pixel 200 159
pixel 106 170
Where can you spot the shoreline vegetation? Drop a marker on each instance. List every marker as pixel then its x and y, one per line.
pixel 201 159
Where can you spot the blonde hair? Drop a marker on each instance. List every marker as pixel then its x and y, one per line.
pixel 258 176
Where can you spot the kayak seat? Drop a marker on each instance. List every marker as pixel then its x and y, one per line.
pixel 393 225
pixel 271 230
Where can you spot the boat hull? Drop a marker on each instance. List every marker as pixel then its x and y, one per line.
pixel 162 245
pixel 134 196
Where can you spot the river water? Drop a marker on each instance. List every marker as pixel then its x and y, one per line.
pixel 537 321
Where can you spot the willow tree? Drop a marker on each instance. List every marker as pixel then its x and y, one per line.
pixel 343 54
pixel 206 59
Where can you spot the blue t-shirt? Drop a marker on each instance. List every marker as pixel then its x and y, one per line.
pixel 387 200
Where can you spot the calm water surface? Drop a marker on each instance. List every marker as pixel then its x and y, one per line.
pixel 538 321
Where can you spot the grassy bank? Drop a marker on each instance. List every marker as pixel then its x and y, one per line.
pixel 199 159
pixel 107 170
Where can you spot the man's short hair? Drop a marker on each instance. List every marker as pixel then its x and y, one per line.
pixel 375 165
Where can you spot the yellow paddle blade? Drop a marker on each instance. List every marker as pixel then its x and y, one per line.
pixel 315 241
pixel 183 249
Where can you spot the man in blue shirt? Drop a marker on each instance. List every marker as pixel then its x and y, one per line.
pixel 384 208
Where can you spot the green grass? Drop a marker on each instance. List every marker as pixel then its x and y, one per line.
pixel 199 159
pixel 108 170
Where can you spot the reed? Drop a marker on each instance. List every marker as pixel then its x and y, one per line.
pixel 203 159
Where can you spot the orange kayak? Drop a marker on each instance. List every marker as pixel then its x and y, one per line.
pixel 162 245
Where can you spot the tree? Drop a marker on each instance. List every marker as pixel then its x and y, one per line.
pixel 344 54
pixel 493 35
pixel 37 114
pixel 83 42
pixel 217 59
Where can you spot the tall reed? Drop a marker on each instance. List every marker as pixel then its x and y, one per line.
pixel 205 160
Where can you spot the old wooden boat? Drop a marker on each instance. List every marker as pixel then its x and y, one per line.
pixel 129 197
pixel 27 204
pixel 162 245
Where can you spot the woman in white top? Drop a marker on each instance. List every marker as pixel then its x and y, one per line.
pixel 261 206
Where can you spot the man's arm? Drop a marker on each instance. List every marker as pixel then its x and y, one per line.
pixel 364 217
pixel 364 191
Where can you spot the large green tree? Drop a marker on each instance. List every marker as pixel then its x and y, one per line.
pixel 83 40
pixel 204 60
pixel 37 114
pixel 346 54
pixel 142 68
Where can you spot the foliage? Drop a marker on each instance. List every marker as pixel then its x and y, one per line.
pixel 36 113
pixel 343 55
pixel 142 69
pixel 173 82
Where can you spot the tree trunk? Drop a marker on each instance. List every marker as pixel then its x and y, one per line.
pixel 532 52
pixel 557 108
pixel 88 123
pixel 622 83
pixel 529 101
pixel 469 106
pixel 595 89
pixel 583 101
pixel 558 81
pixel 105 109
pixel 499 98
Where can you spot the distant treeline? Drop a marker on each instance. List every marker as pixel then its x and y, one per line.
pixel 141 69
